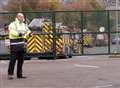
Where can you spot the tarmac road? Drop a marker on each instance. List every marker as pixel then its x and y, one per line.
pixel 78 72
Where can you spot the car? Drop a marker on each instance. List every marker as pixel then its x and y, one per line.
pixel 101 39
pixel 116 40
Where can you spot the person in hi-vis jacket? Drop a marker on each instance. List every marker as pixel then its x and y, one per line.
pixel 18 33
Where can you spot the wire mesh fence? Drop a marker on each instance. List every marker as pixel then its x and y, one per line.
pixel 68 33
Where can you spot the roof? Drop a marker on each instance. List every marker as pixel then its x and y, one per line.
pixel 36 22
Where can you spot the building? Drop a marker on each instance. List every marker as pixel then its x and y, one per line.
pixel 110 4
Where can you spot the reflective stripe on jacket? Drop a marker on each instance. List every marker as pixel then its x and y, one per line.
pixel 18 45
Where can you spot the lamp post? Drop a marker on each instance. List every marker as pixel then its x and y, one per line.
pixel 117 15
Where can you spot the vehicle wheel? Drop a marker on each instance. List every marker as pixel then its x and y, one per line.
pixel 69 56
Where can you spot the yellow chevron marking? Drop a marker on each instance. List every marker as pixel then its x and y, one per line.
pixel 31 47
pixel 39 38
pixel 31 38
pixel 46 31
pixel 39 43
pixel 60 40
pixel 30 43
pixel 39 47
pixel 37 50
pixel 32 51
pixel 47 27
pixel 51 40
pixel 46 49
pixel 47 36
pixel 51 36
pixel 47 41
pixel 57 47
pixel 60 46
pixel 47 24
pixel 59 43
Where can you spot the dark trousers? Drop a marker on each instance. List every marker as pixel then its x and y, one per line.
pixel 16 55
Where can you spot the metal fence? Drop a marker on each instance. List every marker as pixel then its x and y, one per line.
pixel 80 32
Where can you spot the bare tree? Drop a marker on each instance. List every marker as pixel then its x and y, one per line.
pixel 30 5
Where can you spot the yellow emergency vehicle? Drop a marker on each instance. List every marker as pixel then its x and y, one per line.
pixel 43 44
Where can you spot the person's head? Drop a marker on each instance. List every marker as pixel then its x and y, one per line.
pixel 20 17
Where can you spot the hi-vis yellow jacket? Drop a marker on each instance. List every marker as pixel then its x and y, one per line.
pixel 15 28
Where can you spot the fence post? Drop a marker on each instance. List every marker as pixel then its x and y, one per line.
pixel 82 27
pixel 109 32
pixel 54 33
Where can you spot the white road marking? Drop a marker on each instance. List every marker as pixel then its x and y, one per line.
pixel 87 66
pixel 105 86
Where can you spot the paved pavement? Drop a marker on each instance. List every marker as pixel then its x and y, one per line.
pixel 78 72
